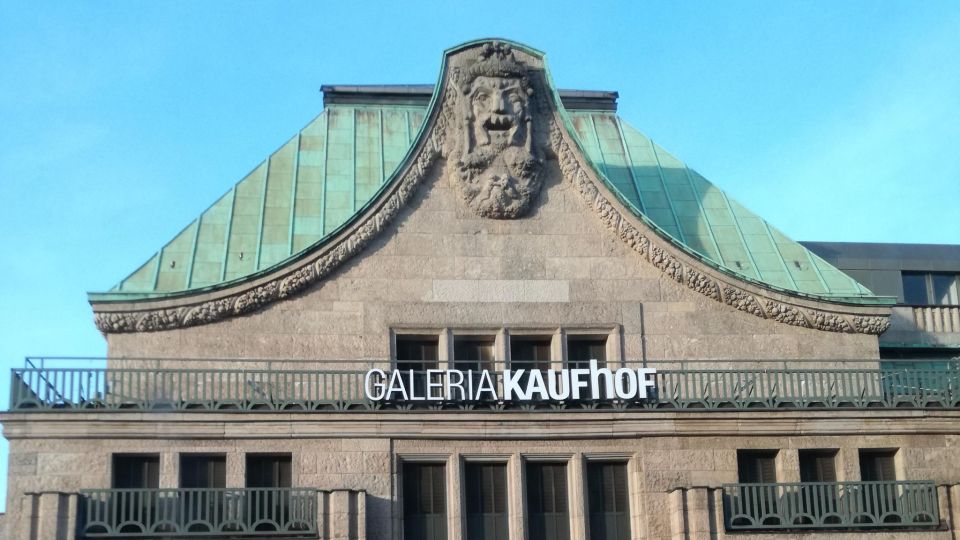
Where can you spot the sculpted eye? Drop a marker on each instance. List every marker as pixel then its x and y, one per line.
pixel 481 98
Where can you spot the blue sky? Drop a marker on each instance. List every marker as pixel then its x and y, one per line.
pixel 121 121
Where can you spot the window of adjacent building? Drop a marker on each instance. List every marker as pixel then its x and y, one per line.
pixel 203 471
pixel 269 470
pixel 582 349
pixel 547 509
pixel 486 500
pixel 930 288
pixel 529 352
pixel 609 501
pixel 878 465
pixel 818 465
pixel 136 471
pixel 757 466
pixel 424 501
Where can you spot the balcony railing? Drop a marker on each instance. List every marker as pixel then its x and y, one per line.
pixel 140 513
pixel 680 388
pixel 833 505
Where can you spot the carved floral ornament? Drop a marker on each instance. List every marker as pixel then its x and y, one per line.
pixel 495 123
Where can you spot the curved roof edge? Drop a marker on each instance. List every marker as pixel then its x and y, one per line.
pixel 275 276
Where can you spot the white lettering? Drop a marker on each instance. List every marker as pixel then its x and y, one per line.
pixel 458 384
pixel 535 384
pixel 433 374
pixel 554 378
pixel 595 381
pixel 626 383
pixel 575 383
pixel 396 385
pixel 378 385
pixel 645 376
pixel 486 385
pixel 511 385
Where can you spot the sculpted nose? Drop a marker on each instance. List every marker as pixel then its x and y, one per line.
pixel 499 104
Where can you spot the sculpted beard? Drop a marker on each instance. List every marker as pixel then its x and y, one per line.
pixel 499 180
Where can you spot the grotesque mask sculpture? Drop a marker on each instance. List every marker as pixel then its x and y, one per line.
pixel 498 163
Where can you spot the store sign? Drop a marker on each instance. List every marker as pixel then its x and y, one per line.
pixel 515 385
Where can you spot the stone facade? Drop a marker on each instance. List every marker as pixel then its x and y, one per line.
pixel 444 265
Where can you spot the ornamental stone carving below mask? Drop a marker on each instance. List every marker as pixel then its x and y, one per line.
pixel 498 162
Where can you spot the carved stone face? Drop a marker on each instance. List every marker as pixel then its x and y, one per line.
pixel 499 171
pixel 498 106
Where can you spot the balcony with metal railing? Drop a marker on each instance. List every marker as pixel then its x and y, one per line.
pixel 164 513
pixel 831 505
pixel 675 386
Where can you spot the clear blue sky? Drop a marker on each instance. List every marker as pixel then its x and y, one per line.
pixel 121 121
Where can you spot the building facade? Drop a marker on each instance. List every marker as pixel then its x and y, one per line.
pixel 484 309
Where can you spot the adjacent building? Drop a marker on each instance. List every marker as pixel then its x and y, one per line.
pixel 489 309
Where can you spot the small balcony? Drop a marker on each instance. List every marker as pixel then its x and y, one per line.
pixel 744 385
pixel 164 513
pixel 830 505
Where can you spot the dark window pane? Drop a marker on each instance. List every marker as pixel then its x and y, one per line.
pixel 203 471
pixel 136 472
pixel 529 353
pixel 548 517
pixel 581 350
pixel 269 471
pixel 818 465
pixel 418 353
pixel 944 289
pixel 473 353
pixel 878 465
pixel 914 288
pixel 757 466
pixel 486 501
pixel 424 501
pixel 609 501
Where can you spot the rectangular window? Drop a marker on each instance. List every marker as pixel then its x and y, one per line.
pixel 930 288
pixel 424 501
pixel 757 466
pixel 609 501
pixel 547 512
pixel 418 353
pixel 473 354
pixel 203 471
pixel 914 288
pixel 136 471
pixel 486 499
pixel 269 470
pixel 878 465
pixel 582 349
pixel 528 352
pixel 818 465
pixel 944 288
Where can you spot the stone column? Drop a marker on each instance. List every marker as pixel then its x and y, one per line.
pixel 954 515
pixel 788 465
pixel 515 497
pixel 577 497
pixel 698 513
pixel 454 497
pixel 52 516
pixel 678 521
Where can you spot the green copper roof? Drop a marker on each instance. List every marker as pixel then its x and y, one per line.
pixel 301 193
pixel 321 177
pixel 694 213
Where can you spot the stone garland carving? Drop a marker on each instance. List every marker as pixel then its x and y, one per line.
pixel 295 282
pixel 704 284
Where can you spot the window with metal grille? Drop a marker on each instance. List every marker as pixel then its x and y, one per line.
pixel 548 516
pixel 269 470
pixel 582 349
pixel 136 471
pixel 418 353
pixel 203 471
pixel 757 466
pixel 818 465
pixel 529 352
pixel 878 465
pixel 486 499
pixel 474 354
pixel 424 501
pixel 609 501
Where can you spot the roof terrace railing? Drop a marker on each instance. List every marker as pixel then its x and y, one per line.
pixel 676 387
pixel 161 513
pixel 830 505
